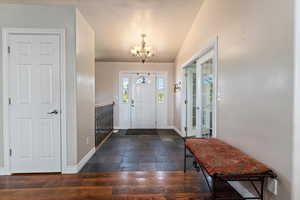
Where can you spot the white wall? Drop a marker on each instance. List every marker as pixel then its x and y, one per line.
pixel 52 17
pixel 85 68
pixel 107 82
pixel 255 77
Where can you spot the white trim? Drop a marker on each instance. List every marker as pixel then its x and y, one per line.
pixel 3 172
pixel 296 124
pixel 76 168
pixel 178 131
pixel 166 127
pixel 241 189
pixel 71 169
pixel 209 46
pixel 212 46
pixel 61 33
pixel 103 141
pixel 85 159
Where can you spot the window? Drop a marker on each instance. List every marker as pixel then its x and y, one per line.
pixel 160 90
pixel 125 90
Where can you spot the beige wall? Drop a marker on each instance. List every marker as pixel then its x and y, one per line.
pixel 107 82
pixel 50 17
pixel 85 68
pixel 255 77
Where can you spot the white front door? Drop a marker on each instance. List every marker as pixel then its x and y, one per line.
pixel 143 103
pixel 34 111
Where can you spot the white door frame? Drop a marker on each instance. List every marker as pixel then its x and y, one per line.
pixel 134 72
pixel 5 128
pixel 296 125
pixel 212 46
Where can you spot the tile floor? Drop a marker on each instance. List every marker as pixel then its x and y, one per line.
pixel 161 150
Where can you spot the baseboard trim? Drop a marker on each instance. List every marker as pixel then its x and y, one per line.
pixel 74 169
pixel 104 140
pixel 85 159
pixel 166 127
pixel 177 131
pixel 241 189
pixel 4 172
pixel 71 169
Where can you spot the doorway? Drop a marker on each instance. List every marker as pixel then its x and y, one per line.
pixel 200 94
pixel 143 100
pixel 34 126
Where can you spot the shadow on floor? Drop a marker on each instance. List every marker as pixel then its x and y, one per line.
pixel 154 150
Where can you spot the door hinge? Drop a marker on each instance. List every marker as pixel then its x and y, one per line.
pixel 9 101
pixel 185 129
pixel 8 49
pixel 185 101
pixel 10 152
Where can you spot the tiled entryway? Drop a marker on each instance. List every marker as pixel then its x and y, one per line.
pixel 144 150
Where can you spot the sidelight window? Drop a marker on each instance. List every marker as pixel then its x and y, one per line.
pixel 125 90
pixel 161 90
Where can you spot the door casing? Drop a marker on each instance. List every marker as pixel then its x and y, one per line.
pixel 5 101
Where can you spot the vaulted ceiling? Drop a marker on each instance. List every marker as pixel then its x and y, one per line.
pixel 118 25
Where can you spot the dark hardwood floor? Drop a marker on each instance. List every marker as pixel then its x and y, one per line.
pixel 153 185
pixel 139 150
pixel 129 166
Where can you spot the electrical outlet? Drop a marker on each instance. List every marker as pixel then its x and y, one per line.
pixel 273 185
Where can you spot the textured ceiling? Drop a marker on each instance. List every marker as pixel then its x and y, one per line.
pixel 119 23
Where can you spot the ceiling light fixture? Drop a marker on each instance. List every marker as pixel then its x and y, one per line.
pixel 143 52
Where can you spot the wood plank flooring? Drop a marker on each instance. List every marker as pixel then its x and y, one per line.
pixel 140 185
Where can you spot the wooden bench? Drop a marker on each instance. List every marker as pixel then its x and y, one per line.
pixel 223 162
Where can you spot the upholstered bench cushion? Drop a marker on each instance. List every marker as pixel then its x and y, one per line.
pixel 218 157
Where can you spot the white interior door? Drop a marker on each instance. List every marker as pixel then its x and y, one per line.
pixel 143 103
pixel 34 112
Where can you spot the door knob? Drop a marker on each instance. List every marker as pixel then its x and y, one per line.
pixel 54 112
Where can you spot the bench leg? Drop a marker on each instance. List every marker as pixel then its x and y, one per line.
pixel 214 195
pixel 262 188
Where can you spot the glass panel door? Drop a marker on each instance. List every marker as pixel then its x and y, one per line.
pixel 206 96
pixel 191 100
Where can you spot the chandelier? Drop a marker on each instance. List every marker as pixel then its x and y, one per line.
pixel 143 52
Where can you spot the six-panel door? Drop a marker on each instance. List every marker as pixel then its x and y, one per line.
pixel 34 89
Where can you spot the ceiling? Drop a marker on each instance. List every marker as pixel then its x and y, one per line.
pixel 118 25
